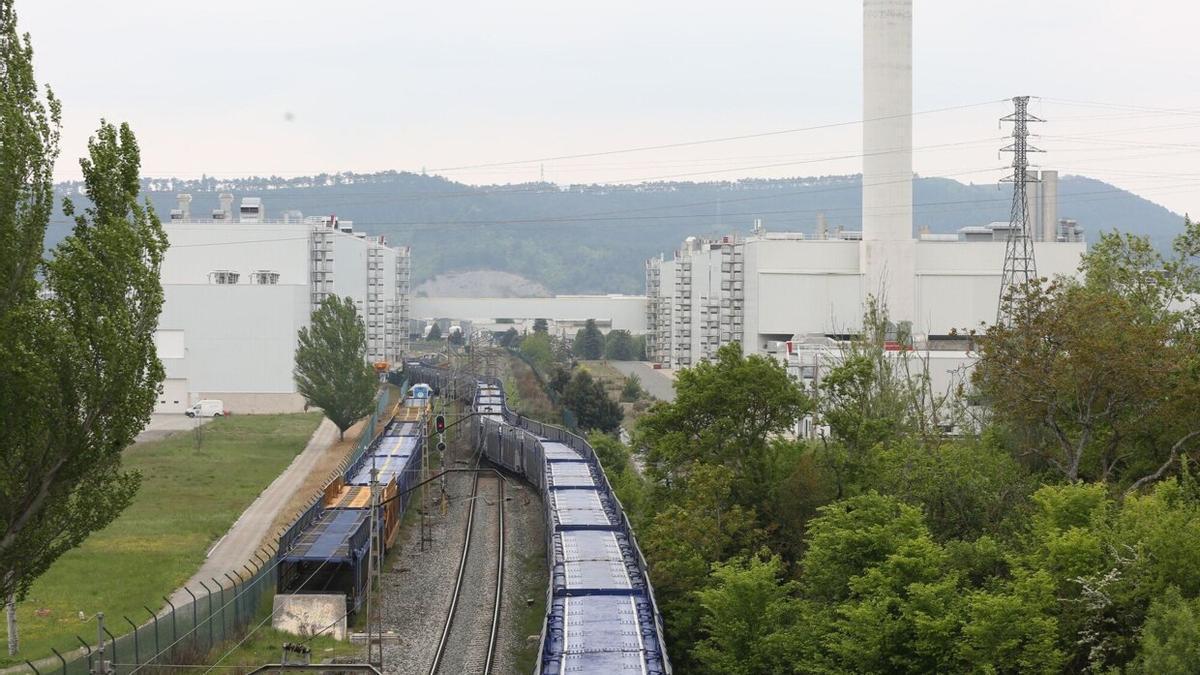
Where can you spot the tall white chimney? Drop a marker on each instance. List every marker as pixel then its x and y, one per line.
pixel 1049 205
pixel 888 254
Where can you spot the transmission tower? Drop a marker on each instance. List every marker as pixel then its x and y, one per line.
pixel 1019 265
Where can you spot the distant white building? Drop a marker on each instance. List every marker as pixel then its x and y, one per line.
pixel 763 290
pixel 564 314
pixel 239 289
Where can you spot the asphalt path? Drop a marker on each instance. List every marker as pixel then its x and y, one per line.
pixel 657 382
pixel 242 540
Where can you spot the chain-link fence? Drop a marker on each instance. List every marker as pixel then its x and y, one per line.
pixel 211 612
pixel 215 612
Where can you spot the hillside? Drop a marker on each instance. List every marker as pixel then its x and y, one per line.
pixel 593 238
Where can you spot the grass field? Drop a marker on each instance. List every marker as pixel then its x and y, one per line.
pixel 190 496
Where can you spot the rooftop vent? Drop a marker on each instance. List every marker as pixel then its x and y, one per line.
pixel 251 210
pixel 223 277
pixel 264 277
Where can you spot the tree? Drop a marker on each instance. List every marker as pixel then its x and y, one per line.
pixel 508 339
pixel 541 326
pixel 1171 637
pixel 331 371
pixel 619 346
pixel 585 396
pixel 631 390
pixel 435 332
pixel 589 341
pixel 79 372
pixel 747 610
pixel 1095 383
pixel 538 351
pixel 725 412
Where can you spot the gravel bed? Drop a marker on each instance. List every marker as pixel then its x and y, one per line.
pixel 418 584
pixel 525 575
pixel 470 632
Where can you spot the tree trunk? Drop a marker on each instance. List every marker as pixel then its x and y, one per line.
pixel 11 608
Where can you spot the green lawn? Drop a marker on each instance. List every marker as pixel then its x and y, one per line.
pixel 190 496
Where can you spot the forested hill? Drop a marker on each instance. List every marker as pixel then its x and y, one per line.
pixel 592 238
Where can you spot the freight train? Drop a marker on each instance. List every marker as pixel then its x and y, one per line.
pixel 327 549
pixel 601 613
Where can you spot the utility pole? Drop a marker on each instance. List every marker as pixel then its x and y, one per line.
pixel 1019 265
pixel 375 571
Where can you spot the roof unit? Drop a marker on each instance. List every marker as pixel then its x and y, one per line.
pixel 251 210
pixel 226 210
pixel 223 277
pixel 184 212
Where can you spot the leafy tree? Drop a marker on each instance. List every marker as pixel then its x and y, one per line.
pixel 965 487
pixel 435 332
pixel 508 339
pixel 619 346
pixel 681 540
pixel 79 371
pixel 585 396
pixel 331 371
pixel 536 348
pixel 589 341
pixel 1094 381
pixel 725 412
pixel 611 452
pixel 631 390
pixel 541 326
pixel 1171 636
pixel 457 337
pixel 639 348
pixel 747 611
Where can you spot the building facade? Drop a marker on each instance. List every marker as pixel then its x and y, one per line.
pixel 238 289
pixel 763 290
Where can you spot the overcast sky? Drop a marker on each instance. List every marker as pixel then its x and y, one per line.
pixel 292 87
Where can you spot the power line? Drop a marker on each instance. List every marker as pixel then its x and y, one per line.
pixel 723 139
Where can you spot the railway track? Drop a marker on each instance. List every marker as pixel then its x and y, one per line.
pixel 474 614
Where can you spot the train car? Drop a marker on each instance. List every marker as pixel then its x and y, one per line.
pixel 601 613
pixel 326 550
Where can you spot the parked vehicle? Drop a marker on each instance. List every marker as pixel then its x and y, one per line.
pixel 209 407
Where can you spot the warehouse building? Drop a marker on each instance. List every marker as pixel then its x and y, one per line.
pixel 238 288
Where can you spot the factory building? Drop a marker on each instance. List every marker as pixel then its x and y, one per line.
pixel 764 289
pixel 239 286
pixel 770 287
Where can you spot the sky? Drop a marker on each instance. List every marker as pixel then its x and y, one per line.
pixel 297 87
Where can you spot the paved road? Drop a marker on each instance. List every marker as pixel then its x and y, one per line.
pixel 240 543
pixel 164 424
pixel 659 383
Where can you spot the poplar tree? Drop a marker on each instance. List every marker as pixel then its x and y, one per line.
pixel 78 369
pixel 332 372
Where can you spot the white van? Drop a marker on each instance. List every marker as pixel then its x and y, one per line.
pixel 209 407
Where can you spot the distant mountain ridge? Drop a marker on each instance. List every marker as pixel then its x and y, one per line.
pixel 594 238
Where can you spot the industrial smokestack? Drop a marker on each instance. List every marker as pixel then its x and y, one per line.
pixel 1050 205
pixel 888 258
pixel 887 115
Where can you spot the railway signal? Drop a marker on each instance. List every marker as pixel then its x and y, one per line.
pixel 439 423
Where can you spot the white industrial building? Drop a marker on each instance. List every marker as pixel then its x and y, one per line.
pixel 238 289
pixel 769 287
pixel 564 314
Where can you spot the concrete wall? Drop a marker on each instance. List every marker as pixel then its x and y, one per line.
pixel 236 339
pixel 198 248
pixel 958 283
